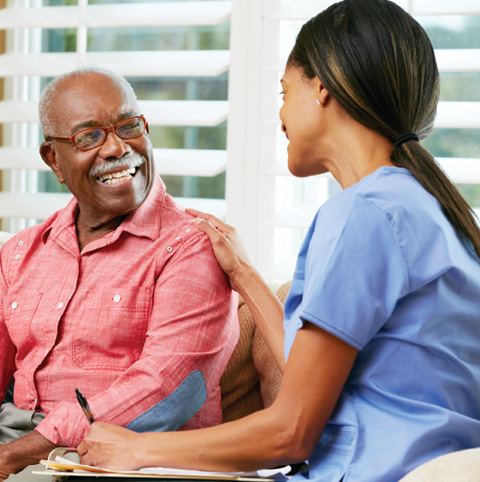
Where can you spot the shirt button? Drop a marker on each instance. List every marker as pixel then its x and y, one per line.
pixel 14 305
pixel 116 298
pixel 169 248
pixel 60 306
pixel 20 243
pixel 17 256
pixel 178 239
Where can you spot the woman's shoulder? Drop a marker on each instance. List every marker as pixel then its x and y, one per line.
pixel 385 190
pixel 392 205
pixel 391 191
pixel 390 186
pixel 391 201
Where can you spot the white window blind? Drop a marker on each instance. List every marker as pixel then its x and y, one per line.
pixel 277 208
pixel 105 34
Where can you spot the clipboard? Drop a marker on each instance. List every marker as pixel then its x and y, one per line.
pixel 60 467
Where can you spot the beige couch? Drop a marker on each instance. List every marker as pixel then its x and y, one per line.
pixel 4 236
pixel 461 466
pixel 252 378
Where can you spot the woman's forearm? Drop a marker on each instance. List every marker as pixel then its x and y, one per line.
pixel 254 442
pixel 245 446
pixel 285 432
pixel 265 308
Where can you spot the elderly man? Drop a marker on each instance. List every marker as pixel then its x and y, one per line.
pixel 117 294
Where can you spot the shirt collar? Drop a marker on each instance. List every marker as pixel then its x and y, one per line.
pixel 145 221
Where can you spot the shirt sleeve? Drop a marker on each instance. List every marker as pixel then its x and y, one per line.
pixel 192 330
pixel 355 271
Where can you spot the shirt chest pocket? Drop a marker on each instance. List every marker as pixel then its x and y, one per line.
pixel 111 331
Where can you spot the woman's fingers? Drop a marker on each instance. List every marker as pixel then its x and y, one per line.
pixel 197 214
pixel 208 228
pixel 227 245
pixel 207 217
pixel 105 445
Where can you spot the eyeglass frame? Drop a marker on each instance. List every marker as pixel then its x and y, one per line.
pixel 104 129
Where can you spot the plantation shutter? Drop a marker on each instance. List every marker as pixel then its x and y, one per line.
pixel 25 63
pixel 270 208
pixel 277 208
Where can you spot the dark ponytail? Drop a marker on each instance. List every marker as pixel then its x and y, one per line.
pixel 412 156
pixel 378 63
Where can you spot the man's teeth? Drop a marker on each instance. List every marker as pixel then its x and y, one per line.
pixel 117 177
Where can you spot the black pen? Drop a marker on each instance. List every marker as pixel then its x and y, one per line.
pixel 83 403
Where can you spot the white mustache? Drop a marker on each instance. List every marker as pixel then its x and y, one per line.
pixel 134 159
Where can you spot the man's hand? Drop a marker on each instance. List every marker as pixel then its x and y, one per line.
pixel 27 450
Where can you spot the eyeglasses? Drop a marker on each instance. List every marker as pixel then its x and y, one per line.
pixel 92 137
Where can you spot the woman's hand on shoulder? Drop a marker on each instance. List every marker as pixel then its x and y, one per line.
pixel 227 246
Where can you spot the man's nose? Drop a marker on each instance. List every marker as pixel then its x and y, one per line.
pixel 114 146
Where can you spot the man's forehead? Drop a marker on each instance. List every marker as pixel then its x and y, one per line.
pixel 92 85
pixel 93 100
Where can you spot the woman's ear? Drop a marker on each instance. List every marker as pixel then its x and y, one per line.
pixel 49 156
pixel 323 93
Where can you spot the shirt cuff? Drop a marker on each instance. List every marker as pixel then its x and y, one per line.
pixel 65 426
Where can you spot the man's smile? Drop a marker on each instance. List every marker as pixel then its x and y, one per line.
pixel 118 177
pixel 119 170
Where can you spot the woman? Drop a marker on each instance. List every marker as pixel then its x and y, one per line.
pixel 381 323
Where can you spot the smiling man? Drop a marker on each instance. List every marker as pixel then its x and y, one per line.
pixel 117 294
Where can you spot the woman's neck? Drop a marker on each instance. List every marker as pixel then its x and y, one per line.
pixel 363 153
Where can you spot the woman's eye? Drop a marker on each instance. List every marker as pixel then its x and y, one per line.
pixel 281 93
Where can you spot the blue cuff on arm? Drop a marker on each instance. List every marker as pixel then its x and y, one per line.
pixel 175 410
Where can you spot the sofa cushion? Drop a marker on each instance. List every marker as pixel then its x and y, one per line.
pixel 252 378
pixel 461 466
pixel 4 237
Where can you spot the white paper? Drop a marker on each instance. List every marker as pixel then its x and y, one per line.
pixel 277 474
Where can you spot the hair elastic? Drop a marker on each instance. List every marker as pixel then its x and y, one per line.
pixel 404 138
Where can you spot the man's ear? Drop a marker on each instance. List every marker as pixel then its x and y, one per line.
pixel 49 156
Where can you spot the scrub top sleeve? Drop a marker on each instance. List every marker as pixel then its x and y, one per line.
pixel 355 271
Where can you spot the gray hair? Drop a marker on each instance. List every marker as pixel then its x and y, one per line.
pixel 48 95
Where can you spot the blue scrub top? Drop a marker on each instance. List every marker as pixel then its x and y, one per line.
pixel 382 269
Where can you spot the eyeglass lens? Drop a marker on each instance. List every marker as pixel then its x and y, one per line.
pixel 94 137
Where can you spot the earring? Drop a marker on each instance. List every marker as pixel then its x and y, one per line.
pixel 318 102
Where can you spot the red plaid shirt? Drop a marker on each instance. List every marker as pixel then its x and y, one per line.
pixel 125 321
